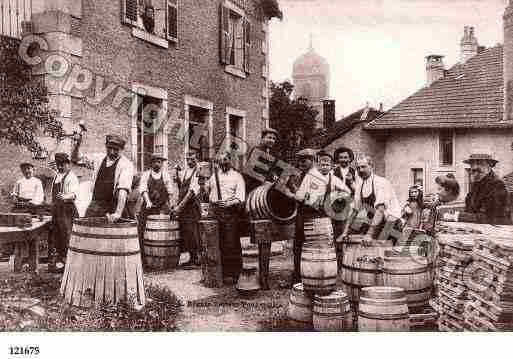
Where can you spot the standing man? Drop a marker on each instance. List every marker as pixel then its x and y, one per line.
pixel 488 198
pixel 188 208
pixel 65 188
pixel 28 191
pixel 267 146
pixel 375 198
pixel 344 156
pixel 112 181
pixel 227 196
pixel 157 190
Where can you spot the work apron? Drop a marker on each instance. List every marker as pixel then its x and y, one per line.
pixel 63 214
pixel 229 240
pixel 188 219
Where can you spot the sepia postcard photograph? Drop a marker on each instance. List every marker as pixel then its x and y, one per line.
pixel 337 170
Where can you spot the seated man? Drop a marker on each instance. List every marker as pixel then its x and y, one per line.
pixel 28 191
pixel 487 200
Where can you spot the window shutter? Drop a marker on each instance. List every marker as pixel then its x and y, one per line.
pixel 129 15
pixel 224 37
pixel 247 44
pixel 172 20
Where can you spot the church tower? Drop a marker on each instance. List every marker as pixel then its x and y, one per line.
pixel 311 78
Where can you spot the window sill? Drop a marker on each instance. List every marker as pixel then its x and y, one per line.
pixel 146 36
pixel 235 71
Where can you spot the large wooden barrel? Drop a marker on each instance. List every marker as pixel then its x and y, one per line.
pixel 319 267
pixel 161 242
pixel 103 264
pixel 318 229
pixel 406 268
pixel 332 312
pixel 264 202
pixel 210 254
pixel 300 305
pixel 361 267
pixel 383 309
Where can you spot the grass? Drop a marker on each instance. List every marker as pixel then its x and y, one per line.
pixel 52 314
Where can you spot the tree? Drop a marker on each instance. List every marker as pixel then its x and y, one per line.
pixel 24 109
pixel 294 119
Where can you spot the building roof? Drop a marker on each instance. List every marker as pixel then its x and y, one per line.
pixel 327 136
pixel 470 95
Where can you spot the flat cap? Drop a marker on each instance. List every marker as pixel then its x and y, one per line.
pixel 115 140
pixel 481 157
pixel 62 157
pixel 307 152
pixel 269 130
pixel 158 156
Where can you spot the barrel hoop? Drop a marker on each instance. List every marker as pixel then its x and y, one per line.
pixel 297 304
pixel 146 244
pixel 157 256
pixel 319 278
pixel 382 316
pixel 316 286
pixel 104 236
pixel 162 229
pixel 361 269
pixel 319 260
pixel 332 315
pixel 106 254
pixel 419 291
pixel 354 285
pixel 101 222
pixel 405 272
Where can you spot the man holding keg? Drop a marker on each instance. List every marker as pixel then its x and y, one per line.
pixel 227 196
pixel 65 187
pixel 112 180
pixel 158 191
pixel 188 208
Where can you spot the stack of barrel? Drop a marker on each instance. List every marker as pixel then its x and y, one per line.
pixel 490 304
pixel 451 277
pixel 315 301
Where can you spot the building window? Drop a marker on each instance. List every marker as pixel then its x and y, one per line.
pixel 446 141
pixel 152 20
pixel 236 136
pixel 235 41
pixel 417 175
pixel 149 136
pixel 198 132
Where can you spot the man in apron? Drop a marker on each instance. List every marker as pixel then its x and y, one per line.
pixel 65 187
pixel 28 191
pixel 112 180
pixel 188 209
pixel 158 192
pixel 227 196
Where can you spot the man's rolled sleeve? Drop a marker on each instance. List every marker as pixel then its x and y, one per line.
pixel 126 174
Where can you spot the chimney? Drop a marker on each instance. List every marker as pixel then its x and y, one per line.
pixel 468 44
pixel 381 107
pixel 328 113
pixel 435 69
pixel 508 61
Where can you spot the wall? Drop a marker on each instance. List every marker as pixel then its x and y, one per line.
pixel 414 148
pixel 363 142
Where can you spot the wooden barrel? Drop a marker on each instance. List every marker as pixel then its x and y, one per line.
pixel 318 229
pixel 361 267
pixel 319 267
pixel 383 309
pixel 210 254
pixel 300 305
pixel 161 242
pixel 103 264
pixel 332 312
pixel 404 267
pixel 264 202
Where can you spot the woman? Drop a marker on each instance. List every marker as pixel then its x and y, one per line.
pixel 412 210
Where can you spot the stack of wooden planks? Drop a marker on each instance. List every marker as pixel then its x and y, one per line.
pixel 490 304
pixel 452 275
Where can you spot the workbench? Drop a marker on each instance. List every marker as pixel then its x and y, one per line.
pixel 26 241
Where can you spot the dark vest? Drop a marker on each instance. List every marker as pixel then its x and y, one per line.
pixel 104 185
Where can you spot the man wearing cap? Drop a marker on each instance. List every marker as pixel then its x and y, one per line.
pixel 158 191
pixel 488 198
pixel 112 181
pixel 188 208
pixel 312 193
pixel 28 191
pixel 227 195
pixel 65 186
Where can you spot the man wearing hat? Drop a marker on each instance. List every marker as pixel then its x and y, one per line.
pixel 487 200
pixel 28 191
pixel 158 191
pixel 112 181
pixel 65 186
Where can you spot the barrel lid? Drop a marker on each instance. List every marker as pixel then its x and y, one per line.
pixel 383 292
pixel 103 223
pixel 333 296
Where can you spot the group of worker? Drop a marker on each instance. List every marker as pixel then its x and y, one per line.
pixel 327 186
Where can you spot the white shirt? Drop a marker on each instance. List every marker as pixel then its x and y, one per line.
pixel 231 184
pixel 384 192
pixel 70 185
pixel 170 186
pixel 313 188
pixel 31 189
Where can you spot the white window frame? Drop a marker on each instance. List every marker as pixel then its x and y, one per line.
pixel 159 93
pixel 206 105
pixel 451 167
pixel 231 69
